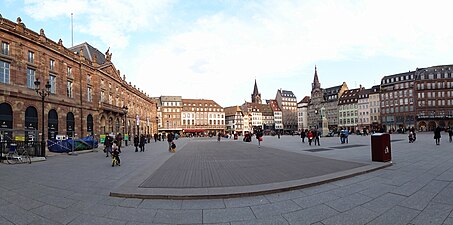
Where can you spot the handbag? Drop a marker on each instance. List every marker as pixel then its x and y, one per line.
pixel 260 138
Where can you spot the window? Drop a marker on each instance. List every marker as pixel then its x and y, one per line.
pixel 52 64
pixel 30 78
pixel 4 72
pixel 31 57
pixel 69 89
pixel 88 79
pixel 69 71
pixel 5 48
pixel 102 96
pixel 53 84
pixel 89 97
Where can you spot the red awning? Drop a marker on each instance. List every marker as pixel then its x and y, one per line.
pixel 192 130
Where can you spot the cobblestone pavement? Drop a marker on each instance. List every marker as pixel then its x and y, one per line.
pixel 66 189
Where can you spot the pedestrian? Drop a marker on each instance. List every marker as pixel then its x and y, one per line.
pixel 342 136
pixel 278 134
pixel 118 140
pixel 159 137
pixel 116 155
pixel 218 136
pixel 450 133
pixel 170 140
pixel 310 137
pixel 142 143
pixel 163 136
pixel 136 141
pixel 108 143
pixel 437 135
pixel 155 137
pixel 302 136
pixel 317 134
pixel 411 137
pixel 259 137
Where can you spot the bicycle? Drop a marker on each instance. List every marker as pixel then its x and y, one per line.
pixel 14 156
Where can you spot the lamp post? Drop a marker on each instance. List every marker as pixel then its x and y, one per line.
pixel 125 109
pixel 43 92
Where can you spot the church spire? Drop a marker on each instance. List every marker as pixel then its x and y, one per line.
pixel 256 96
pixel 315 83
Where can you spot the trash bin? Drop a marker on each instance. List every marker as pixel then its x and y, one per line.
pixel 381 149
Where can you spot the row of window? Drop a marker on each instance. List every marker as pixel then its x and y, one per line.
pixel 435 85
pixel 399 109
pixel 348 121
pixel 438 75
pixel 402 101
pixel 396 79
pixel 211 122
pixel 431 103
pixel 439 94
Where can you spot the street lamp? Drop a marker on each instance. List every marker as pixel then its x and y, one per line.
pixel 43 93
pixel 125 109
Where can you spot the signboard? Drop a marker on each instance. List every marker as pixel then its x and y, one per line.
pixel 137 120
pixel 102 138
pixel 126 137
pixel 19 138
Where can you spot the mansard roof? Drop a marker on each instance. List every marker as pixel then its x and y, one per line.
pixel 89 52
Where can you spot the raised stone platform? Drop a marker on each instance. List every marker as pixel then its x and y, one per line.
pixel 210 169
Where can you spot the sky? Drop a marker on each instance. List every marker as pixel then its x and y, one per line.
pixel 215 49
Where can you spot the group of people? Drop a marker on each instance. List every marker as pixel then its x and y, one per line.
pixel 312 136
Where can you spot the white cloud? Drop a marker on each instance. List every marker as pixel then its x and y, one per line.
pixel 218 55
pixel 110 21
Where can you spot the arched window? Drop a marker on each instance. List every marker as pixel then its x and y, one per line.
pixel 90 124
pixel 6 121
pixel 70 124
pixel 31 123
pixel 52 124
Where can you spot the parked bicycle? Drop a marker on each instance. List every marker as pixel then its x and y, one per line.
pixel 18 155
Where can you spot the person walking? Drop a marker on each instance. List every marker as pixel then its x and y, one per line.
pixel 155 137
pixel 310 137
pixel 118 140
pixel 259 137
pixel 317 134
pixel 136 141
pixel 142 143
pixel 169 140
pixel 302 136
pixel 108 143
pixel 219 135
pixel 437 135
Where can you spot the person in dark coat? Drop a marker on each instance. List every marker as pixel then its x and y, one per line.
pixel 108 143
pixel 259 137
pixel 170 140
pixel 142 143
pixel 302 136
pixel 437 135
pixel 155 137
pixel 136 141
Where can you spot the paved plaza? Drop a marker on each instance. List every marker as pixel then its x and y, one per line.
pixel 65 189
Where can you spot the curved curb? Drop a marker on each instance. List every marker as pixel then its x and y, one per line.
pixel 131 190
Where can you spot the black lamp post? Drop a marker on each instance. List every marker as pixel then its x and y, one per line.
pixel 125 109
pixel 43 93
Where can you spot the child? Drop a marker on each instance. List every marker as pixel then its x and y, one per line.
pixel 173 147
pixel 115 155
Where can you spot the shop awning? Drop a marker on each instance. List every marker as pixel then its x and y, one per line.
pixel 192 130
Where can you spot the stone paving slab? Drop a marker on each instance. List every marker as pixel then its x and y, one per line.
pixel 225 164
pixel 210 169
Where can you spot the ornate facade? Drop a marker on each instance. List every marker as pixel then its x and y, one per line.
pixel 87 94
pixel 325 101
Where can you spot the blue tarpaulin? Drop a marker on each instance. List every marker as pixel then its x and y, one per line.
pixel 68 145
